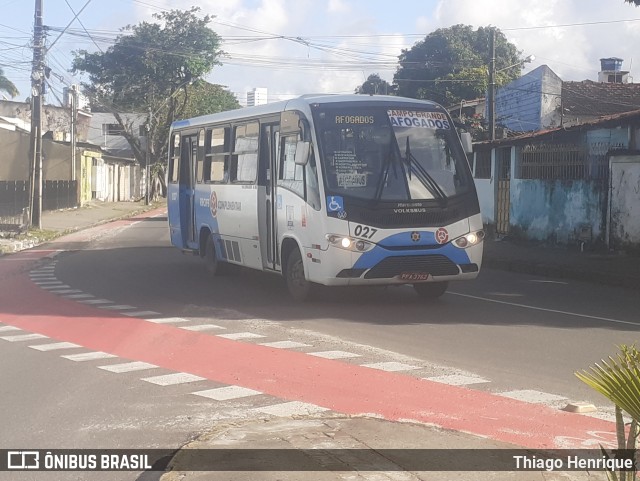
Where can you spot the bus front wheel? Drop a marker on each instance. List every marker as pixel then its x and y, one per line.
pixel 210 259
pixel 431 290
pixel 299 287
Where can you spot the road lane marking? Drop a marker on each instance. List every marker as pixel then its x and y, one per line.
pixel 168 320
pixel 285 344
pixel 391 366
pixel 532 396
pixel 96 301
pixel 78 296
pixel 89 356
pixel 128 367
pixel 50 288
pixel 457 380
pixel 241 335
pixel 9 328
pixel 334 354
pixel 201 327
pixel 541 281
pixel 65 291
pixel 227 393
pixel 544 309
pixel 141 313
pixel 120 307
pixel 173 379
pixel 54 346
pixel 23 337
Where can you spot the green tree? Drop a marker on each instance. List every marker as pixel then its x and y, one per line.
pixel 7 86
pixel 451 64
pixel 375 85
pixel 206 98
pixel 150 70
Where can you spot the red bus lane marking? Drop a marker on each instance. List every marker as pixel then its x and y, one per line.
pixel 290 375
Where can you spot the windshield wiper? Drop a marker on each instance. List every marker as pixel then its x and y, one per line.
pixel 423 176
pixel 389 161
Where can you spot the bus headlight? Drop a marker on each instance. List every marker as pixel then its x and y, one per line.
pixel 469 239
pixel 348 243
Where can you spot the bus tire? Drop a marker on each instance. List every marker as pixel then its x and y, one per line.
pixel 431 290
pixel 298 286
pixel 211 263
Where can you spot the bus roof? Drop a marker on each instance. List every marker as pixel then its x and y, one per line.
pixel 299 103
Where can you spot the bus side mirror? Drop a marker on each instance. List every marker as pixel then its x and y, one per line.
pixel 467 143
pixel 302 152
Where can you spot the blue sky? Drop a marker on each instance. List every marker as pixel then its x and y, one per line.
pixel 340 41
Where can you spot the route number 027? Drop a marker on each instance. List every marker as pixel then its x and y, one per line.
pixel 364 231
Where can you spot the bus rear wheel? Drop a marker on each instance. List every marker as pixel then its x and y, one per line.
pixel 299 287
pixel 431 290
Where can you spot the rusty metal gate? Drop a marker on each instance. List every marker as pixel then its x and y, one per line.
pixel 503 193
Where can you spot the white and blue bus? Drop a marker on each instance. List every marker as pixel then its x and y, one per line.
pixel 338 190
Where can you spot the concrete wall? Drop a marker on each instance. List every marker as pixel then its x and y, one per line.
pixel 54 119
pixel 14 155
pixel 625 202
pixel 556 210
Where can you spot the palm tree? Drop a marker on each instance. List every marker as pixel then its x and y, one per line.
pixel 618 379
pixel 7 86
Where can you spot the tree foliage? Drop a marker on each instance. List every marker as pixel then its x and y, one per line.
pixel 151 70
pixel 7 86
pixel 633 2
pixel 374 85
pixel 452 64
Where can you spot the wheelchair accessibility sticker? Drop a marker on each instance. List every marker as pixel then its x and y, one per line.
pixel 335 203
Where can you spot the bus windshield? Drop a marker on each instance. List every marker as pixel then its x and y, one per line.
pixel 386 154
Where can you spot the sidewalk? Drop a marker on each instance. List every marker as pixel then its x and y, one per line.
pixel 614 269
pixel 59 222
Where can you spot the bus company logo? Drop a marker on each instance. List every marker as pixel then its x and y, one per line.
pixel 442 236
pixel 23 460
pixel 213 204
pixel 415 236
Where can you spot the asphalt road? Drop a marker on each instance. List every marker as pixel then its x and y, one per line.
pixel 509 334
pixel 521 332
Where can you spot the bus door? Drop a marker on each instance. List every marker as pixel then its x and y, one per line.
pixel 268 226
pixel 188 156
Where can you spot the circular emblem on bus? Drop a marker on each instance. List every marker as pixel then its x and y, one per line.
pixel 442 236
pixel 415 236
pixel 213 204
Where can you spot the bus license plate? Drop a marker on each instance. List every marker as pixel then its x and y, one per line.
pixel 414 276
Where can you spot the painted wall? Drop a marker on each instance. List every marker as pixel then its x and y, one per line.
pixel 486 196
pixel 625 201
pixel 555 210
pixel 530 102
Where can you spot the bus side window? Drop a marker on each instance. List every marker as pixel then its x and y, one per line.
pixel 291 175
pixel 244 161
pixel 217 154
pixel 200 159
pixel 311 181
pixel 174 162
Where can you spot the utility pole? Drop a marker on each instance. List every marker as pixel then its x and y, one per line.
pixel 74 122
pixel 492 85
pixel 37 82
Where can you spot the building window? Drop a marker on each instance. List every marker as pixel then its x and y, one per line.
pixel 112 129
pixel 483 164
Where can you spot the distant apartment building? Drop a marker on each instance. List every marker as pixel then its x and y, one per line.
pixel 257 96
